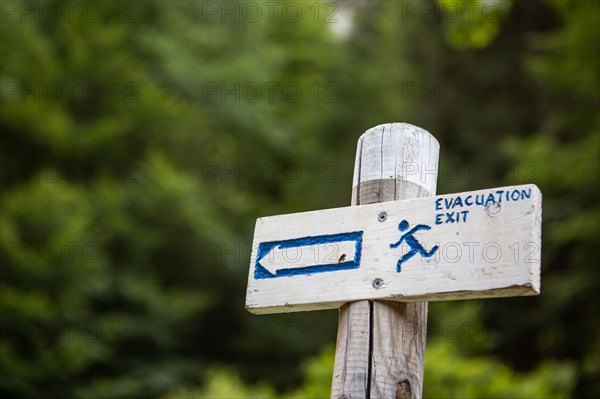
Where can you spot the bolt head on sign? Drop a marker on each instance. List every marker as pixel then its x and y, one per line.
pixel 474 244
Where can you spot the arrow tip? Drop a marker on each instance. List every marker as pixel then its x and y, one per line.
pixel 265 265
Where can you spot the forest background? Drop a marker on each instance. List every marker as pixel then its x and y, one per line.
pixel 141 140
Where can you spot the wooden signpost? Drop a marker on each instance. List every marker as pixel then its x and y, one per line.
pixel 396 247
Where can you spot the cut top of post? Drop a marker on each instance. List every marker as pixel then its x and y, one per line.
pixel 396 151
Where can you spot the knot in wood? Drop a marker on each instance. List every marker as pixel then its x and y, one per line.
pixel 403 391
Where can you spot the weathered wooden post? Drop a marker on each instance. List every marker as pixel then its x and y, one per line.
pixel 395 248
pixel 381 345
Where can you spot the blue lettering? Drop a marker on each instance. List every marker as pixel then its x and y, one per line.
pixel 479 199
pixel 457 202
pixel 512 195
pixel 464 214
pixel 450 217
pixel 448 202
pixel 489 199
pixel 467 201
pixel 438 205
pixel 499 192
pixel 526 193
pixel 438 218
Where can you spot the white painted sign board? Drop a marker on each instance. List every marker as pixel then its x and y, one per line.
pixel 475 244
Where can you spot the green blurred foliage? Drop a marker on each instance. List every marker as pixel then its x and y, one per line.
pixel 470 23
pixel 448 374
pixel 565 152
pixel 223 383
pixel 451 374
pixel 136 154
pixel 123 249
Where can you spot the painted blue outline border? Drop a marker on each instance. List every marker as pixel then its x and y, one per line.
pixel 265 247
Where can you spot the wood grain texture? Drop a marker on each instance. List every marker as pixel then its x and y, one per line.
pixel 489 249
pixel 352 352
pixel 394 365
pixel 395 247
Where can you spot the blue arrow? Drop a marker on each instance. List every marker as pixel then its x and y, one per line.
pixel 337 252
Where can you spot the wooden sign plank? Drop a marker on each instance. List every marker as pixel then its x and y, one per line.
pixel 475 244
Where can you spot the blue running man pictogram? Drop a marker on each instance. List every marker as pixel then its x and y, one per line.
pixel 413 243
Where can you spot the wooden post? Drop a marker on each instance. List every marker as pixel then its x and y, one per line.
pixel 349 257
pixel 381 345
